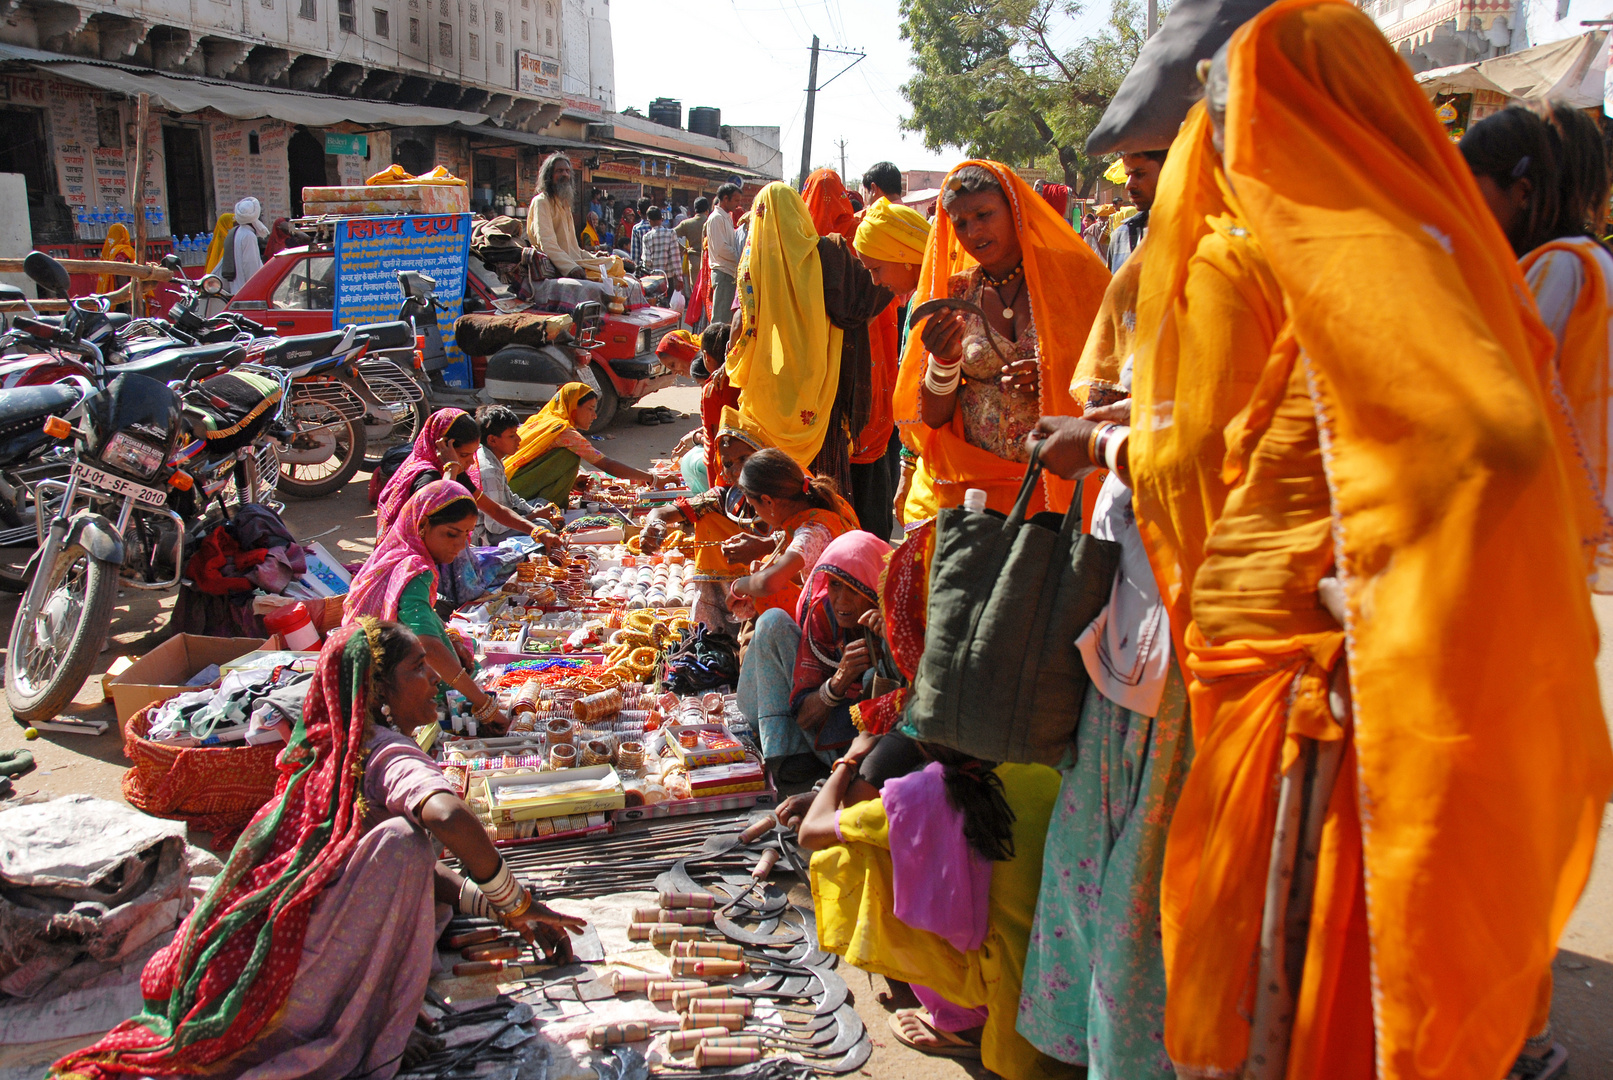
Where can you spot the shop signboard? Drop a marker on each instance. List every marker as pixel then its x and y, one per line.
pixel 249 158
pixel 371 251
pixel 536 76
pixel 347 144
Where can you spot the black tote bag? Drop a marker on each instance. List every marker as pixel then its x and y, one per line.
pixel 1001 678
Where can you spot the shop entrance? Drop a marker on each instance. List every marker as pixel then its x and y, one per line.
pixel 187 189
pixel 413 155
pixel 305 160
pixel 493 183
pixel 22 150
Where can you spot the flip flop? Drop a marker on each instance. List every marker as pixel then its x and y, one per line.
pixel 649 417
pixel 668 416
pixel 943 1044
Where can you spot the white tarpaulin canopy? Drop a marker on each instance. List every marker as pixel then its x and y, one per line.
pixel 1572 71
pixel 189 94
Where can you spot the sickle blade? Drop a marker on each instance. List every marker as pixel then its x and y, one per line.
pixel 835 991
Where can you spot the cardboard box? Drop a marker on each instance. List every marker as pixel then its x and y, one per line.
pixel 162 672
pixel 572 791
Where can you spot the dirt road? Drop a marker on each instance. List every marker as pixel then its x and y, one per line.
pixel 345 523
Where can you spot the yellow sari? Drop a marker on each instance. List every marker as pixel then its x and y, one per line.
pixel 786 359
pixel 540 430
pixel 116 249
pixel 1460 831
pixel 221 235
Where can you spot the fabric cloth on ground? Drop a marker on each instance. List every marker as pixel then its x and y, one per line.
pixel 401 555
pixel 1453 524
pixel 1572 280
pixel 422 458
pixel 1065 282
pixel 853 896
pixel 939 882
pixel 223 713
pixel 304 975
pixel 1094 975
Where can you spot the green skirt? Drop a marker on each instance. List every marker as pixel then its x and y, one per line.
pixel 550 477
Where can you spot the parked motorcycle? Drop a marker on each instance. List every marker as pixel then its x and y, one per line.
pixel 151 467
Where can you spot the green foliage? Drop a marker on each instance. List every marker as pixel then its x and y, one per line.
pixel 991 78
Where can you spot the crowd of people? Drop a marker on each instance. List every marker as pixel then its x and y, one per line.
pixel 1336 391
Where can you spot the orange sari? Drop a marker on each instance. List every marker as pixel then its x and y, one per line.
pixel 1460 831
pixel 1065 281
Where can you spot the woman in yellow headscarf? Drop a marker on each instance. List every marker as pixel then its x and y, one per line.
pixel 1394 476
pixel 999 245
pixel 221 236
pixel 116 249
pixel 553 447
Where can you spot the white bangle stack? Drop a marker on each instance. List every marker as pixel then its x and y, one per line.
pixel 941 377
pixel 1113 441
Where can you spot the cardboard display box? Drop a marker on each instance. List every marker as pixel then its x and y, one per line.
pixel 162 672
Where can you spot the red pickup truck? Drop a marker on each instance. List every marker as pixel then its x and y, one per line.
pixel 295 293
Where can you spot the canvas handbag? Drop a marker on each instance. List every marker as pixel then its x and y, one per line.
pixel 1001 678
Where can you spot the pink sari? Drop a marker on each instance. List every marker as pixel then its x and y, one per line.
pixel 401 556
pixel 424 458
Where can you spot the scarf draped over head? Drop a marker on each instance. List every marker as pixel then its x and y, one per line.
pixel 1453 526
pixel 215 250
pixel 855 559
pixel 891 232
pixel 1057 196
pixel 830 206
pixel 423 458
pixel 229 969
pixel 401 554
pixel 540 430
pixel 734 426
pixel 786 357
pixel 116 249
pixel 1065 281
pixel 680 346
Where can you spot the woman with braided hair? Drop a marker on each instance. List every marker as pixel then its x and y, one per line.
pixel 310 953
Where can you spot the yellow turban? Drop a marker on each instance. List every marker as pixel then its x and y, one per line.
pixel 893 233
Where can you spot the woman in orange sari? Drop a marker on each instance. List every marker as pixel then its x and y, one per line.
pixel 1371 796
pixel 971 390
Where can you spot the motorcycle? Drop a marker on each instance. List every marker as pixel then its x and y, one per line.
pixel 151 467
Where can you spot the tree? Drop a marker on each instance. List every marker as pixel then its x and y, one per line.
pixel 991 79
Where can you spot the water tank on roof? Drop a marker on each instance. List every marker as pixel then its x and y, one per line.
pixel 667 112
pixel 704 120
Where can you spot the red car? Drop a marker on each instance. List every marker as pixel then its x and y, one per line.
pixel 295 294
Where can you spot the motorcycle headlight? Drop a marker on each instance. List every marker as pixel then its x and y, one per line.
pixel 128 454
pixel 643 341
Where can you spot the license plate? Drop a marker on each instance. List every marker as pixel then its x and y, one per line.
pixel 117 485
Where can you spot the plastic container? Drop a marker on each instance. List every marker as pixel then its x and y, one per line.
pixel 974 499
pixel 294 627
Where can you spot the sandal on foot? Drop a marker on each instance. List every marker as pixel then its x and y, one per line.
pixel 1549 1066
pixel 913 1029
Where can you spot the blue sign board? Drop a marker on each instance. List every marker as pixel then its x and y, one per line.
pixel 371 251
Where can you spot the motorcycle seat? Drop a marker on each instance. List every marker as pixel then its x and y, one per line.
pixel 388 335
pixel 304 349
pixel 171 364
pixel 24 406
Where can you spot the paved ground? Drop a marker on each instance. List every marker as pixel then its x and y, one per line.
pixel 344 522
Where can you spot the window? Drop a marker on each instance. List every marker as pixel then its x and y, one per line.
pixel 383 23
pixel 526 30
pixel 548 37
pixel 475 15
pixel 414 31
pixel 498 53
pixel 548 7
pixel 475 47
pixel 310 286
pixel 443 4
pixel 345 19
pixel 308 10
pixel 252 146
pixel 498 22
pixel 445 39
pixel 267 3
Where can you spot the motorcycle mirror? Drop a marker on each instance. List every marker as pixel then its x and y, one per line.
pixel 48 274
pixel 171 262
pixel 212 285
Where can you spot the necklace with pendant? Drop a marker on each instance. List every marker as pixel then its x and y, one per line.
pixel 1008 305
pixel 997 287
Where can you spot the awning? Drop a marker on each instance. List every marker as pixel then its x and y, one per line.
pixel 630 150
pixel 527 138
pixel 1572 72
pixel 189 94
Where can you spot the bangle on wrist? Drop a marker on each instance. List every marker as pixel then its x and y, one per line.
pixel 506 894
pixel 1117 437
pixel 827 695
pixel 1094 455
pixel 473 901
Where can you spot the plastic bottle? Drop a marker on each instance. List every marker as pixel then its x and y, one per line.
pixel 974 499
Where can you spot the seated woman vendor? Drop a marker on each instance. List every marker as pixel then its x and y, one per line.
pixel 933 880
pixel 446 449
pixel 802 674
pixel 807 510
pixel 399 581
pixel 553 447
pixel 289 966
pixel 718 514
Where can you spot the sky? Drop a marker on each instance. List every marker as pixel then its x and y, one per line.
pixel 750 59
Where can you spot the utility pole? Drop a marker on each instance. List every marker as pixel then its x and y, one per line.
pixel 842 144
pixel 1153 17
pixel 812 100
